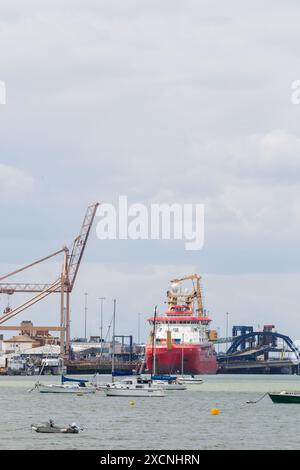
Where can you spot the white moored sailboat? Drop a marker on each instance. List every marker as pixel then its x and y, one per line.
pixel 131 387
pixel 77 386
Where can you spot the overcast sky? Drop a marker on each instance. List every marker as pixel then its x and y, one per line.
pixel 162 101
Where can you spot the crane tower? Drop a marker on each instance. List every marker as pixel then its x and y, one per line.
pixel 63 285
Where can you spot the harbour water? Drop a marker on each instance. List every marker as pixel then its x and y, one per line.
pixel 181 420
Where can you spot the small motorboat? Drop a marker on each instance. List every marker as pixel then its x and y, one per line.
pixel 50 427
pixel 170 384
pixel 190 380
pixel 285 397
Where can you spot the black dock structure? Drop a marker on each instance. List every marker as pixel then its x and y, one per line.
pixel 259 352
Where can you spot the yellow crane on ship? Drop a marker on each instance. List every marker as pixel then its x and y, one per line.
pixel 175 294
pixel 63 285
pixel 189 297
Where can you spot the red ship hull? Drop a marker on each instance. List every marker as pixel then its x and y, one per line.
pixel 197 359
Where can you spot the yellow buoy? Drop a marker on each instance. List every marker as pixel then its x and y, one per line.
pixel 214 411
pixel 132 402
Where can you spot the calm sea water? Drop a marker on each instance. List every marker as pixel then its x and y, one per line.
pixel 181 420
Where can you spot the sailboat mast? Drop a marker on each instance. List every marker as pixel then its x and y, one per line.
pixel 182 349
pixel 113 344
pixel 154 344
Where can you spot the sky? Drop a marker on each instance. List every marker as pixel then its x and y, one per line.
pixel 164 102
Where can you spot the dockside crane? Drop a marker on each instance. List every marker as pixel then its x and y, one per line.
pixel 63 284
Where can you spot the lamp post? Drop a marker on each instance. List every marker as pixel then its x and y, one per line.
pixel 101 325
pixel 139 324
pixel 227 315
pixel 85 314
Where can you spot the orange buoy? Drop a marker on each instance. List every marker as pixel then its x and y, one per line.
pixel 214 411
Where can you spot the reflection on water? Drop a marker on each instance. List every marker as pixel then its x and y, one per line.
pixel 181 420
